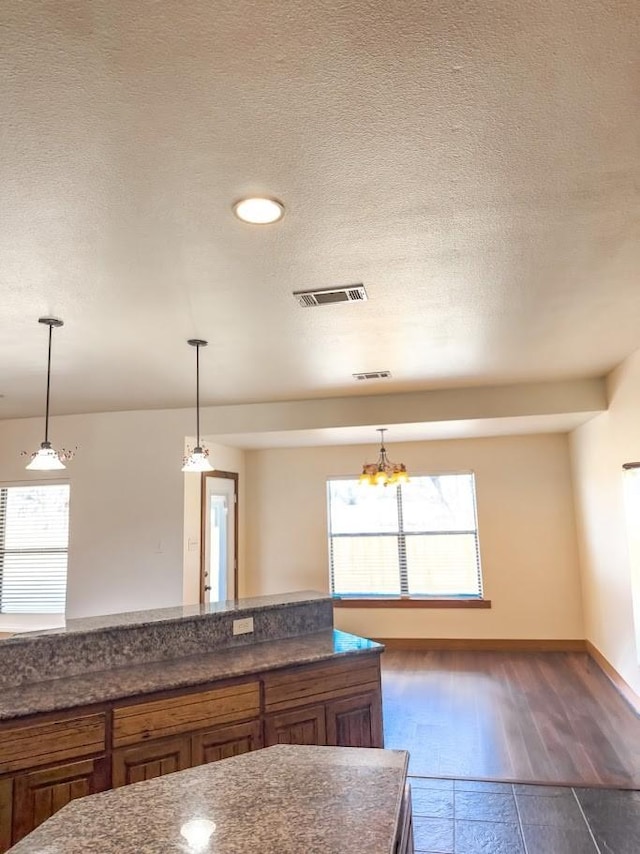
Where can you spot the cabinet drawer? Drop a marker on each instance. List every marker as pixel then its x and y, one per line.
pixel 175 715
pixel 319 682
pixel 45 743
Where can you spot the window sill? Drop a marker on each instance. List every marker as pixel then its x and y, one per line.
pixel 409 602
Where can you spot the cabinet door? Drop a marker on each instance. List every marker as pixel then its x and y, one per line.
pixel 39 794
pixel 134 764
pixel 355 721
pixel 302 726
pixel 6 804
pixel 223 742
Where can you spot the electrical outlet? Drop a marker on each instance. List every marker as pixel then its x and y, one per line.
pixel 243 627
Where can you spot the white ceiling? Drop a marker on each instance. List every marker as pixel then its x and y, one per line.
pixel 420 432
pixel 476 165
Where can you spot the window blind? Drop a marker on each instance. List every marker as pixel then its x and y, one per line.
pixel 34 539
pixel 415 539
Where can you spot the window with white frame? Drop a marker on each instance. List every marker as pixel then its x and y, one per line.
pixel 34 541
pixel 417 539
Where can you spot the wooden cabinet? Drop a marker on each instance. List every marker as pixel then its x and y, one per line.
pixel 42 743
pixel 223 742
pixel 38 794
pixel 50 759
pixel 355 721
pixel 302 726
pixel 185 712
pixel 164 756
pixel 134 764
pixel 334 702
pixel 51 764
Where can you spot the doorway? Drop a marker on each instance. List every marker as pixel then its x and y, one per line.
pixel 219 536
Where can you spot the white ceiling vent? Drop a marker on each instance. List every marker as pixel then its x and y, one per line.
pixel 372 375
pixel 350 293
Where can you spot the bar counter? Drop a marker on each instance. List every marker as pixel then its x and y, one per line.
pixel 116 683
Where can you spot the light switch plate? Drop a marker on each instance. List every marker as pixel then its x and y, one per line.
pixel 243 627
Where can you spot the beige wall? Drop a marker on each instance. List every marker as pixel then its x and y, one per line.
pixel 526 521
pixel 599 448
pixel 127 505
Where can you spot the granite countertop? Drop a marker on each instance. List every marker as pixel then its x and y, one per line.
pixel 87 625
pixel 285 799
pixel 117 683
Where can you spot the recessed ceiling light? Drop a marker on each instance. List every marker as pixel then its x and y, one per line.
pixel 259 211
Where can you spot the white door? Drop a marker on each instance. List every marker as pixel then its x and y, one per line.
pixel 219 522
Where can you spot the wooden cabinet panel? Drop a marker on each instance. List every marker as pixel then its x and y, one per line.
pixel 299 686
pixel 302 726
pixel 223 742
pixel 134 764
pixel 188 712
pixel 6 808
pixel 43 743
pixel 404 842
pixel 40 794
pixel 355 721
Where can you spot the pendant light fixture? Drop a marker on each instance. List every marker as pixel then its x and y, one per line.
pixel 46 458
pixel 197 459
pixel 384 472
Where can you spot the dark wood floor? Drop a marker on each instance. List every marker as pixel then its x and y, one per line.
pixel 525 717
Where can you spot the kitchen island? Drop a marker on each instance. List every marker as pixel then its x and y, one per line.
pixel 280 800
pixel 111 701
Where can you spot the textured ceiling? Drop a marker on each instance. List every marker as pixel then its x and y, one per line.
pixel 476 165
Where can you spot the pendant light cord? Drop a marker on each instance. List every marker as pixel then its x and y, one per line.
pixel 46 414
pixel 198 394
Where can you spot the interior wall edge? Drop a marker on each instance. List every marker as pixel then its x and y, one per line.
pixel 620 684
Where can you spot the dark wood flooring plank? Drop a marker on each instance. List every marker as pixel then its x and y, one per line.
pixel 531 717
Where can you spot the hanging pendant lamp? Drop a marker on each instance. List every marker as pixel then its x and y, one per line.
pixel 197 459
pixel 46 458
pixel 384 472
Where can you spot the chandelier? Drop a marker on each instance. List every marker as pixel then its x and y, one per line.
pixel 384 472
pixel 197 460
pixel 46 458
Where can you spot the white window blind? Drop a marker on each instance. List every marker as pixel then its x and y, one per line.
pixel 34 539
pixel 416 539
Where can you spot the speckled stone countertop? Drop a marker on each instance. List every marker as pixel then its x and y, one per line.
pixel 104 643
pixel 85 625
pixel 285 799
pixel 117 683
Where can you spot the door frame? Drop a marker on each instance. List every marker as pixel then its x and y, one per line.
pixel 229 475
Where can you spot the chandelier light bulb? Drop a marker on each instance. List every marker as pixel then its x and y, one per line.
pixel 383 472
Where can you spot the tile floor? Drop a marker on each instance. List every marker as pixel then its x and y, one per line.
pixel 469 817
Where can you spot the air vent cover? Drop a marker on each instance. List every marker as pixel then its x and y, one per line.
pixel 372 375
pixel 326 296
